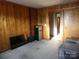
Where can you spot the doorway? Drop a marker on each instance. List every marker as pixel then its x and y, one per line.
pixel 54 22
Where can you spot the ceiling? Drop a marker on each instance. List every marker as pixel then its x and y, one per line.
pixel 40 3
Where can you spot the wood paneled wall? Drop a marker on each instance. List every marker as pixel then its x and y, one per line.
pixel 70 9
pixel 71 23
pixel 43 20
pixel 45 13
pixel 15 20
pixel 33 19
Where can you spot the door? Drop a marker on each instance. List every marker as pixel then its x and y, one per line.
pixel 54 21
pixel 51 24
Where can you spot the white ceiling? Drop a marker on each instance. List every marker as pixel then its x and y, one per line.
pixel 40 3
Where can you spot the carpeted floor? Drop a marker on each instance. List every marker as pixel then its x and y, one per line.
pixel 34 50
